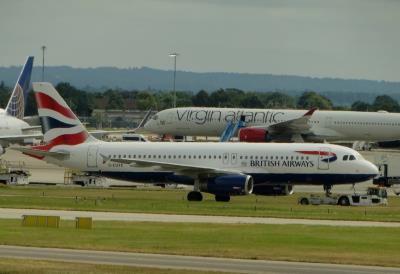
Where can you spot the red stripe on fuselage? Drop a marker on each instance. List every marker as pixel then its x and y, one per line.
pixel 45 101
pixel 316 152
pixel 65 139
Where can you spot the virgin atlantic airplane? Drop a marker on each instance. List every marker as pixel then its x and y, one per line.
pixel 264 125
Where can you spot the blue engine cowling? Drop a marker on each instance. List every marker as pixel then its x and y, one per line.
pixel 228 185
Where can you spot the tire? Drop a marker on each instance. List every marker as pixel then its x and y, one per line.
pixel 195 196
pixel 222 198
pixel 344 201
pixel 304 201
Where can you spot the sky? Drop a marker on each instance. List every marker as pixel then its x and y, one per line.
pixel 351 39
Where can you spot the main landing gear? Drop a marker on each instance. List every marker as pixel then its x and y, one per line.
pixel 222 198
pixel 328 189
pixel 195 196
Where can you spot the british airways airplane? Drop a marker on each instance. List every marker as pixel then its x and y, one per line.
pixel 12 128
pixel 279 124
pixel 222 169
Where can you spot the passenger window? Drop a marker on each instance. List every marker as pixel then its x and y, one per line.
pixel 351 158
pixel 345 157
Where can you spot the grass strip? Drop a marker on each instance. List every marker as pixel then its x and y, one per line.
pixel 16 266
pixel 344 245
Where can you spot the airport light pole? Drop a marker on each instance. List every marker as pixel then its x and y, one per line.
pixel 43 49
pixel 174 55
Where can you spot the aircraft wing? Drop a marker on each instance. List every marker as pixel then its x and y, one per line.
pixel 294 126
pixel 181 169
pixel 32 128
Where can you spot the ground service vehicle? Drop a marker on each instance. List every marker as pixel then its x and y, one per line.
pixel 374 196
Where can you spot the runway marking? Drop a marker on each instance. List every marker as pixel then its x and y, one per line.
pixel 16 213
pixel 184 262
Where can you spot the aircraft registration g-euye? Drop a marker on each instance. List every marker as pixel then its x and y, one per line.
pixel 12 128
pixel 222 169
pixel 279 124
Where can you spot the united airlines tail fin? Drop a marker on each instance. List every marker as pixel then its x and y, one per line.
pixel 59 124
pixel 17 102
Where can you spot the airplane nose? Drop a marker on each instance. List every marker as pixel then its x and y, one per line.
pixel 371 168
pixel 148 125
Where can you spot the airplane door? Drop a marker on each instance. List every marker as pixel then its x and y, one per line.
pixel 324 158
pixel 234 159
pixel 170 118
pixel 328 121
pixel 225 158
pixel 92 156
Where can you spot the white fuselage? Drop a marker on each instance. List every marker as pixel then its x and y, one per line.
pixel 265 162
pixel 10 126
pixel 324 125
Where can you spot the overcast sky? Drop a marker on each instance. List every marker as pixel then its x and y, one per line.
pixel 345 39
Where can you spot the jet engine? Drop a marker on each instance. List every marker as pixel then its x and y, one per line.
pixel 228 185
pixel 253 135
pixel 273 190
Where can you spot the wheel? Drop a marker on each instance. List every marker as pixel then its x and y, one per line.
pixel 222 198
pixel 344 201
pixel 304 201
pixel 195 196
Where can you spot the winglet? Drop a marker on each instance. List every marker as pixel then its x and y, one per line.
pixel 310 112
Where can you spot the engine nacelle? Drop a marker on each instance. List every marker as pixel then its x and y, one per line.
pixel 228 185
pixel 253 135
pixel 273 190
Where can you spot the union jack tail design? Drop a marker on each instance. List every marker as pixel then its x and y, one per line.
pixel 17 102
pixel 60 126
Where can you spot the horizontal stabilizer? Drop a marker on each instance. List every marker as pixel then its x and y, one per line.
pixel 41 153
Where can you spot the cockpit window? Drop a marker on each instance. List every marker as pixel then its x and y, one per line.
pixel 345 157
pixel 351 158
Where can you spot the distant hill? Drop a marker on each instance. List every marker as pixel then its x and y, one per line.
pixel 340 91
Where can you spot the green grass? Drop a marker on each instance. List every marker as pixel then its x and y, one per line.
pixel 16 266
pixel 174 202
pixel 350 245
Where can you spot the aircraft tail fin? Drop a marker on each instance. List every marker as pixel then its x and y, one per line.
pixel 17 102
pixel 60 125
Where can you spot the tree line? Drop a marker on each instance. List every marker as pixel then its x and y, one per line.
pixel 83 102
